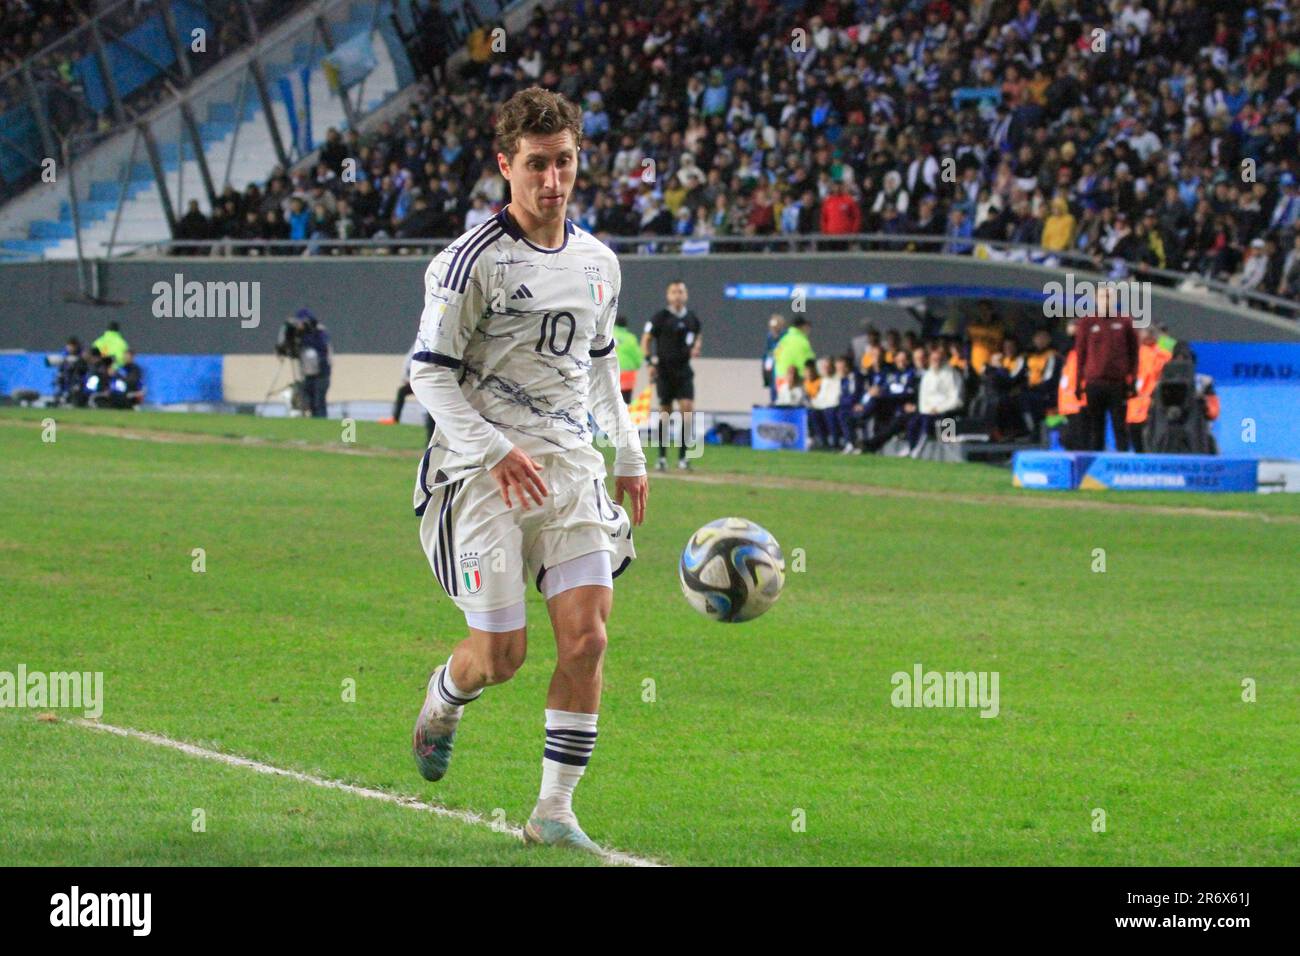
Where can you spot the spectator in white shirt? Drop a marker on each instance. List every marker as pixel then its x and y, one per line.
pixel 627 161
pixel 490 186
pixel 477 213
pixel 892 192
pixel 1253 268
pixel 1136 16
pixel 1143 141
pixel 940 396
pixel 824 406
pixel 689 174
pixel 531 63
pixel 1290 284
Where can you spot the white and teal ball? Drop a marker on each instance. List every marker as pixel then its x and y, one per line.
pixel 732 570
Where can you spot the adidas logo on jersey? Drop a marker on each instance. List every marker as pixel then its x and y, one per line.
pixel 522 293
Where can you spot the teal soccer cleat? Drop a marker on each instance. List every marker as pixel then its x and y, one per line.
pixel 435 733
pixel 558 833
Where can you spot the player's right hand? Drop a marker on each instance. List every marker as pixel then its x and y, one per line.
pixel 519 472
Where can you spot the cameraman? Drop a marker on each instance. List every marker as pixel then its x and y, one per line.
pixel 71 373
pixel 314 354
pixel 95 390
pixel 126 389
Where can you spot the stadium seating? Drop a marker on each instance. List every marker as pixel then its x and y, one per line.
pixel 237 142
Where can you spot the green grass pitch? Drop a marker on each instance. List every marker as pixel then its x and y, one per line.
pixel 772 742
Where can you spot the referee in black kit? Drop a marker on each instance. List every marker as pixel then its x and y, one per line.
pixel 675 334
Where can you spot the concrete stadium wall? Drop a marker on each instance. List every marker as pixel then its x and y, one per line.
pixel 721 385
pixel 371 304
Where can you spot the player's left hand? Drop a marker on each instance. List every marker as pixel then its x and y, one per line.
pixel 638 489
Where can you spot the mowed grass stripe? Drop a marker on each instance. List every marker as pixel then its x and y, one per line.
pixel 976 483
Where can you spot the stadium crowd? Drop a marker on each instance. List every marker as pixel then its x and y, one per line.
pixel 28 27
pixel 1157 133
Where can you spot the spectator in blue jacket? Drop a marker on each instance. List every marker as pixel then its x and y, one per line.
pixel 299 220
pixel 595 121
pixel 897 404
pixel 854 403
pixel 959 227
pixel 715 95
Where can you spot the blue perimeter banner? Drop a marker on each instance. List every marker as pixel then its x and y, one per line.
pixel 1045 470
pixel 1259 392
pixel 1249 363
pixel 778 427
pixel 168 379
pixel 1126 472
pixel 1123 472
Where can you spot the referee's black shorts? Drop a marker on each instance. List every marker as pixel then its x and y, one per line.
pixel 675 382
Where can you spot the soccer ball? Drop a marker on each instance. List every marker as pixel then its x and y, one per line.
pixel 732 570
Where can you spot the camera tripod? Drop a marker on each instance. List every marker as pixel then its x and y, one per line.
pixel 294 399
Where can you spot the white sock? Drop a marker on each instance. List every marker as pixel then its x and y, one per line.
pixel 570 739
pixel 449 693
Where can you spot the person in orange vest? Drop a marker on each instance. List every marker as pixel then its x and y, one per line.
pixel 956 358
pixel 1043 365
pixel 1069 401
pixel 871 351
pixel 1210 403
pixel 985 331
pixel 1152 356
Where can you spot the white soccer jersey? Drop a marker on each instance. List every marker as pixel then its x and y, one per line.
pixel 521 325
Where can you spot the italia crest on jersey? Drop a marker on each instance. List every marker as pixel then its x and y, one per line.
pixel 471 575
pixel 595 284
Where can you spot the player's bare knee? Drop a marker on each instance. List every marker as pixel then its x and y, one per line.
pixel 497 656
pixel 498 671
pixel 584 649
pixel 503 659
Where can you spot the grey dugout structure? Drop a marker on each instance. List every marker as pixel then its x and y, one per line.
pixel 371 305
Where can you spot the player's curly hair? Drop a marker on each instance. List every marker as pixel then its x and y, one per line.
pixel 536 112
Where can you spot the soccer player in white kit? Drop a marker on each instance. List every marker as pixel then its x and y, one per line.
pixel 516 346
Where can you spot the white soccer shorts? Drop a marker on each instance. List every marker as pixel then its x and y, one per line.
pixel 485 554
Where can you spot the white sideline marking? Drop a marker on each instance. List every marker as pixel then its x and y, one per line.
pixel 464 816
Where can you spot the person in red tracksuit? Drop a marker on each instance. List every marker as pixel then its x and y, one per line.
pixel 1107 349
